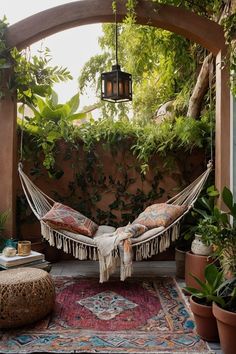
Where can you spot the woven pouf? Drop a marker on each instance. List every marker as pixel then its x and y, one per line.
pixel 26 295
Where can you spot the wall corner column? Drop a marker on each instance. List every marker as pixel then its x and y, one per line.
pixel 222 135
pixel 8 159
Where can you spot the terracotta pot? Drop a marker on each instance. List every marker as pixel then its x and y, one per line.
pixel 180 263
pixel 226 322
pixel 205 321
pixel 195 264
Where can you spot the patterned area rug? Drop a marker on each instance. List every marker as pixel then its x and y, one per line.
pixel 136 316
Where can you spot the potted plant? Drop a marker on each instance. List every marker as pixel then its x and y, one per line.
pixel 224 310
pixel 205 207
pixel 199 256
pixel 220 231
pixel 201 302
pixel 191 226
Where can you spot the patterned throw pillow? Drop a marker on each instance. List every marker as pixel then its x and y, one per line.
pixel 65 218
pixel 161 214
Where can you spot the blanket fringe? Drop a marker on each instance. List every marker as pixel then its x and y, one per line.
pixel 68 245
pixel 108 264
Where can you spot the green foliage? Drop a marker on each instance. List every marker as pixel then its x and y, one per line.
pixel 229 24
pixel 148 139
pixel 205 208
pixel 52 125
pixel 30 76
pixel 160 62
pixel 205 8
pixel 218 228
pixel 208 289
pixel 226 293
pixel 51 122
pixel 34 77
pixel 4 52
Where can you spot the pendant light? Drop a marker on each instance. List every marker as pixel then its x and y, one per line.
pixel 116 85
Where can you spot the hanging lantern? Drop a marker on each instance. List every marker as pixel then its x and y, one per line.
pixel 116 85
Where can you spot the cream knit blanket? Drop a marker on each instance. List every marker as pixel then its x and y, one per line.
pixel 115 249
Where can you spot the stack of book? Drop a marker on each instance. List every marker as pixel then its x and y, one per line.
pixel 35 259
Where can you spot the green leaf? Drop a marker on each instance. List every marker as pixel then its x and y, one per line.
pixel 233 211
pixel 212 192
pixel 203 286
pixel 224 219
pixel 218 300
pixel 192 291
pixel 53 135
pixel 211 274
pixel 227 197
pixel 40 103
pixel 73 103
pixel 206 203
pixel 203 213
pixel 54 98
pixel 42 90
pixel 76 116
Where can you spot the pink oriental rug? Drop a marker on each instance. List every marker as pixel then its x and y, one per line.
pixel 135 316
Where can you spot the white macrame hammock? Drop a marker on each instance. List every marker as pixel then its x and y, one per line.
pixel 82 247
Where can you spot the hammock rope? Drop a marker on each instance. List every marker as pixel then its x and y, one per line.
pixel 83 247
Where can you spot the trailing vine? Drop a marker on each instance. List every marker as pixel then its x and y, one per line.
pixel 106 182
pixel 229 24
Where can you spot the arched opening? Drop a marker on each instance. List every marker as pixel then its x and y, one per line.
pixel 205 32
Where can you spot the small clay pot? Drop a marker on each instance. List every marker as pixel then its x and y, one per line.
pixel 205 321
pixel 226 322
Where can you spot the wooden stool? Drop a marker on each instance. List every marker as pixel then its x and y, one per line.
pixel 27 295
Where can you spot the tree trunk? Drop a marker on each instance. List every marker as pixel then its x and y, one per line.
pixel 200 89
pixel 202 84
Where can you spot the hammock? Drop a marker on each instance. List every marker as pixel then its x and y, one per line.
pixel 82 247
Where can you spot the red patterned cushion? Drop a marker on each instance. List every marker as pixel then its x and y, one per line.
pixel 63 217
pixel 159 215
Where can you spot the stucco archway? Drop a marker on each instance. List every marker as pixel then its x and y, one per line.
pixel 205 32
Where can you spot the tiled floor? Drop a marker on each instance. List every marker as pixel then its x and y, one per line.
pixel 141 269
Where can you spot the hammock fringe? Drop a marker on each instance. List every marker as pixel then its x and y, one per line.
pixel 82 252
pixel 157 245
pixel 68 245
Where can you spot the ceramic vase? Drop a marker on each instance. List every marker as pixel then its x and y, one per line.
pixel 198 247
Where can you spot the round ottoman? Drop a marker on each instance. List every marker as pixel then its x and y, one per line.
pixel 26 295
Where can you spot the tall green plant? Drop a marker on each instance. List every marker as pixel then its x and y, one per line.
pixel 51 122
